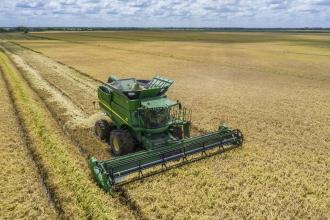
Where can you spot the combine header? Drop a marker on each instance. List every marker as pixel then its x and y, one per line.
pixel 147 129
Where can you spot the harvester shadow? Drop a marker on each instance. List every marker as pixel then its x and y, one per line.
pixel 178 163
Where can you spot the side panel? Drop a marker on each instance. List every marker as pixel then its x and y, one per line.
pixel 104 94
pixel 118 108
pixel 121 112
pixel 115 117
pixel 125 102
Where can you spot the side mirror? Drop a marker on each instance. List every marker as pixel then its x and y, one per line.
pixel 179 103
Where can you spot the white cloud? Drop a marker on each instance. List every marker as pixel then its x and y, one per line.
pixel 223 13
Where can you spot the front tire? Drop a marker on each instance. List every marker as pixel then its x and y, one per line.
pixel 121 142
pixel 177 132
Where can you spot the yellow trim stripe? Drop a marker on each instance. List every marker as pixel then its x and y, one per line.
pixel 125 121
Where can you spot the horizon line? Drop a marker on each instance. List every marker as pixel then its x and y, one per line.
pixel 165 27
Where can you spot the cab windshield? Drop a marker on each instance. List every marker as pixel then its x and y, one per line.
pixel 156 117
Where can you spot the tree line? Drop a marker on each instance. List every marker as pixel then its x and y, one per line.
pixel 15 29
pixel 24 29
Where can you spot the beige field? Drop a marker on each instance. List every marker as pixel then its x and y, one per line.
pixel 275 87
pixel 22 192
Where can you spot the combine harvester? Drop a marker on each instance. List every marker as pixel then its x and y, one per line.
pixel 147 129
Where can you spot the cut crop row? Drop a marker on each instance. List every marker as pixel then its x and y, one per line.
pixel 59 87
pixel 23 194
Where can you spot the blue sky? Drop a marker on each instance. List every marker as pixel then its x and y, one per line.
pixel 170 13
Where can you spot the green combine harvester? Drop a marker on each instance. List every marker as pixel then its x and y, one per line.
pixel 147 129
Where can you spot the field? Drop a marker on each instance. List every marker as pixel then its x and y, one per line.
pixel 21 187
pixel 275 87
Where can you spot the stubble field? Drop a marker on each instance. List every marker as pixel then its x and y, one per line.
pixel 275 87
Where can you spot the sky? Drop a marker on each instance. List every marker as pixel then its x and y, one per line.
pixel 168 13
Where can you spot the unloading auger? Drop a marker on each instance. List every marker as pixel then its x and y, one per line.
pixel 147 129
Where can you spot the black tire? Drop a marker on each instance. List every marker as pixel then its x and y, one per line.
pixel 121 142
pixel 177 132
pixel 102 129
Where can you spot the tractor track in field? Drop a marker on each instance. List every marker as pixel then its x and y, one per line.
pixel 50 94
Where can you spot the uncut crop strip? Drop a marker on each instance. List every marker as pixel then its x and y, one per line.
pixel 22 189
pixel 74 192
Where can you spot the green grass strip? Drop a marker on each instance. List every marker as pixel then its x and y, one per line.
pixel 67 173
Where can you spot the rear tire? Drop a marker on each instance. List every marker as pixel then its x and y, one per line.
pixel 121 142
pixel 102 129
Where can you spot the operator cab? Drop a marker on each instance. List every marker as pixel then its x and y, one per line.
pixel 156 112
